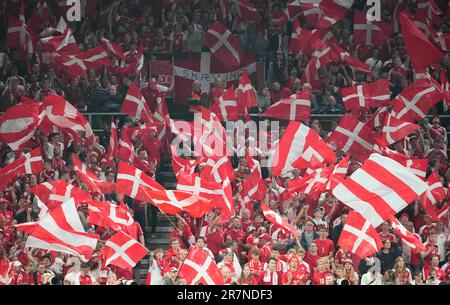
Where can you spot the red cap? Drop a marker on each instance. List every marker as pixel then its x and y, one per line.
pixel 225 251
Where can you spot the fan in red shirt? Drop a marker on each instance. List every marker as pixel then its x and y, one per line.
pixel 429 226
pixel 341 255
pixel 172 253
pixel 213 234
pixel 320 273
pixel 434 265
pixel 279 93
pixel 325 246
pixel 19 276
pixel 266 247
pixel 270 276
pixel 255 264
pixel 236 233
pixel 431 248
pixel 385 232
pixel 294 276
pixel 183 233
pixel 311 257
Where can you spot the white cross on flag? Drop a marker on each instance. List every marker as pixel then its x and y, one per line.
pixel 61 230
pixel 380 188
pixel 113 146
pixel 173 202
pixel 200 268
pixel 136 106
pixel 370 33
pixel 223 45
pixel 133 182
pixel 338 174
pixel 18 124
pixel 277 220
pixel 87 175
pixel 359 237
pixel 435 193
pixel 353 137
pixel 62 44
pixel 296 140
pixel 296 107
pixel 320 58
pixel 30 163
pixel 109 215
pixel 96 58
pixel 416 100
pixel 371 95
pixel 113 48
pixel 18 35
pixel 52 194
pixel 73 65
pixel 246 96
pixel 407 238
pixel 314 183
pixel 123 251
pixel 395 130
pixel 226 107
pixel 217 169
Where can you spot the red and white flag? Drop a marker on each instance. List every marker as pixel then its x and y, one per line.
pixel 338 174
pixel 18 124
pixel 395 130
pixel 96 58
pixel 299 38
pixel 435 192
pixel 109 215
pixel 407 238
pixel 296 140
pixel 314 183
pixel 246 97
pixel 87 175
pixel 226 107
pixel 113 146
pixel 320 58
pixel 417 44
pixel 296 107
pixel 62 44
pixel 61 230
pixel 18 35
pixel 6 271
pixel 73 65
pixel 134 183
pixel 417 166
pixel 173 202
pixel 223 45
pixel 123 251
pixel 200 268
pixel 217 169
pixel 380 188
pixel 359 237
pixel 353 137
pixel 370 33
pixel 254 186
pixel 125 149
pixel 53 194
pixel 29 163
pixel 113 48
pixel 278 221
pixel 247 11
pixel 343 56
pixel 136 106
pixel 370 95
pixel 416 100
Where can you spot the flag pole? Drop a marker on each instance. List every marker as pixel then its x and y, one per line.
pixel 173 79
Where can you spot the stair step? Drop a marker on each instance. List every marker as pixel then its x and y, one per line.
pixel 159 229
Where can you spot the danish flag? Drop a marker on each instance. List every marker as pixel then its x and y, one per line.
pixel 18 36
pixel 338 174
pixel 109 215
pixel 126 152
pixel 417 166
pixel 254 186
pixel 435 192
pixel 278 221
pixel 298 140
pixel 314 183
pixel 320 58
pixel 377 119
pixel 53 194
pixel 408 238
pixel 370 33
pixel 247 11
pixel 395 130
pixel 371 95
pixel 18 124
pixel 217 168
pixel 297 107
pixel 173 202
pixel 133 182
pixel 380 188
pixel 96 58
pixel 226 107
pixel 182 165
pixel 353 137
pixel 349 60
pixel 93 183
pixel 299 38
pixel 223 45
pixel 416 100
pixel 246 96
pixel 123 251
pixel 113 146
pixel 359 236
pixel 135 105
pixel 62 44
pixel 200 268
pixel 29 163
pixel 61 230
pixel 113 48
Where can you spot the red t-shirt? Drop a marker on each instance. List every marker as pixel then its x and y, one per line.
pixel 324 247
pixel 319 277
pixel 299 276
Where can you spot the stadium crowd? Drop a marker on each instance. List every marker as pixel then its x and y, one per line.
pixel 248 249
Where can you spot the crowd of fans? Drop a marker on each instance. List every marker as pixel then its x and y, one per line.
pixel 266 254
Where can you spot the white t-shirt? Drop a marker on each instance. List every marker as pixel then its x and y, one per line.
pixel 51 147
